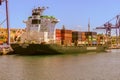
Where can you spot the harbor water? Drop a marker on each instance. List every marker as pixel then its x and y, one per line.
pixel 90 66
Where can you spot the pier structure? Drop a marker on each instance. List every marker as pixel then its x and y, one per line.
pixel 7 19
pixel 5 48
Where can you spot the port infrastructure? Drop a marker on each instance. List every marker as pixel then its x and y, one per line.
pixel 5 47
pixel 7 19
pixel 113 23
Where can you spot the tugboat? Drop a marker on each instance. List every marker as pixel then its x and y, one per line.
pixel 39 37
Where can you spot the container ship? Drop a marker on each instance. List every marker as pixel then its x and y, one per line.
pixel 41 37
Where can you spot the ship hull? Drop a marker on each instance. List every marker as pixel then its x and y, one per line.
pixel 47 49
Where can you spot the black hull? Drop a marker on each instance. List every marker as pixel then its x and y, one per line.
pixel 47 49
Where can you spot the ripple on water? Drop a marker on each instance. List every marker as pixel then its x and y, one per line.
pixel 92 66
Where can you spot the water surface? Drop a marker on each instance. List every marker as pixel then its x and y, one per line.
pixel 91 66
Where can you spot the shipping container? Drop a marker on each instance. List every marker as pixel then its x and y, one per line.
pixel 67 42
pixel 94 39
pixel 79 34
pixel 94 33
pixel 94 42
pixel 83 38
pixel 88 33
pixel 58 42
pixel 82 33
pixel 66 35
pixel 79 42
pixel 66 31
pixel 76 35
pixel 58 35
pixel 58 31
pixel 58 38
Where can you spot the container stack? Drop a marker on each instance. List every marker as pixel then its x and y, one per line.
pixel 94 38
pixel 58 36
pixel 66 37
pixel 91 38
pixel 100 40
pixel 76 37
pixel 83 38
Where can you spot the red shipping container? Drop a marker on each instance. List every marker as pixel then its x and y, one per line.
pixel 58 35
pixel 58 31
pixel 58 38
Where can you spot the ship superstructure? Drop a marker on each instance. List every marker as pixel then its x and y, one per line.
pixel 39 28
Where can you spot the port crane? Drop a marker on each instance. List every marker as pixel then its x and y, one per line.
pixel 114 23
pixel 4 49
pixel 7 20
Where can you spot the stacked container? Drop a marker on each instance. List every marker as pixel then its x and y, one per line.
pixel 94 38
pixel 100 39
pixel 91 38
pixel 66 37
pixel 76 37
pixel 83 36
pixel 58 36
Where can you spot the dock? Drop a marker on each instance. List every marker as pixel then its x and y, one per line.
pixel 5 49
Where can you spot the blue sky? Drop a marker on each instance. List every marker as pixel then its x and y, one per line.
pixel 74 14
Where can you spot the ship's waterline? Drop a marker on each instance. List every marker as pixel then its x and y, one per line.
pixel 50 49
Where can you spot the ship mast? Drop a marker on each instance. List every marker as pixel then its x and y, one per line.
pixel 89 25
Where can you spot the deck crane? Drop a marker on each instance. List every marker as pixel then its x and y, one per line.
pixel 108 26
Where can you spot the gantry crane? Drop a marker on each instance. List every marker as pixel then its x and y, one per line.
pixel 109 25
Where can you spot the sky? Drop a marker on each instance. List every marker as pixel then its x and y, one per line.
pixel 74 14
